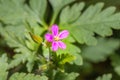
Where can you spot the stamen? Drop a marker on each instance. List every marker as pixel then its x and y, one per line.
pixel 56 38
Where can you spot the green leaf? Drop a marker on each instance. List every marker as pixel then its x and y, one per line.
pixel 74 13
pixel 24 76
pixel 73 50
pixel 65 58
pixel 22 12
pixel 12 12
pixel 17 59
pixel 14 39
pixel 101 51
pixel 22 58
pixel 25 56
pixel 3 67
pixel 12 35
pixel 39 7
pixel 61 60
pixel 69 49
pixel 66 76
pixel 115 61
pixel 105 77
pixel 31 60
pixel 79 59
pixel 92 20
pixel 85 36
pixel 59 4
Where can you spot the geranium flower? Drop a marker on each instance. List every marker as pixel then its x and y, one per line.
pixel 56 37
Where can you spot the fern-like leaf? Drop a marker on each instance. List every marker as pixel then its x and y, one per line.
pixel 92 20
pixel 105 77
pixel 3 67
pixel 24 76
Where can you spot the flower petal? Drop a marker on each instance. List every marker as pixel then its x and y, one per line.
pixel 61 45
pixel 54 46
pixel 55 30
pixel 63 34
pixel 49 37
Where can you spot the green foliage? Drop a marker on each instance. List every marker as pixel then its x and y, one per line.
pixel 24 76
pixel 61 60
pixel 105 77
pixel 64 58
pixel 92 20
pixel 11 36
pixel 73 50
pixel 15 40
pixel 66 76
pixel 101 51
pixel 74 12
pixel 115 61
pixel 39 7
pixel 12 11
pixel 59 4
pixel 18 18
pixel 3 67
pixel 18 58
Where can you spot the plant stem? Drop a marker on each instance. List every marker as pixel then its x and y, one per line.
pixel 49 54
pixel 53 18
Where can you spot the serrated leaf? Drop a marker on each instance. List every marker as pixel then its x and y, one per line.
pixel 66 76
pixel 58 4
pixel 105 77
pixel 12 12
pixel 74 13
pixel 3 67
pixel 65 58
pixel 12 35
pixel 31 60
pixel 23 11
pixel 92 20
pixel 24 76
pixel 73 50
pixel 18 58
pixel 17 41
pixel 24 56
pixel 85 36
pixel 61 60
pixel 39 7
pixel 69 49
pixel 101 51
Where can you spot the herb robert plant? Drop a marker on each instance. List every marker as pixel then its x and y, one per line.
pixel 56 37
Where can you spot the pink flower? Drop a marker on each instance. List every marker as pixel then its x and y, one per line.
pixel 55 38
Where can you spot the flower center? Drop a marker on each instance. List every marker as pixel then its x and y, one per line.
pixel 56 38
